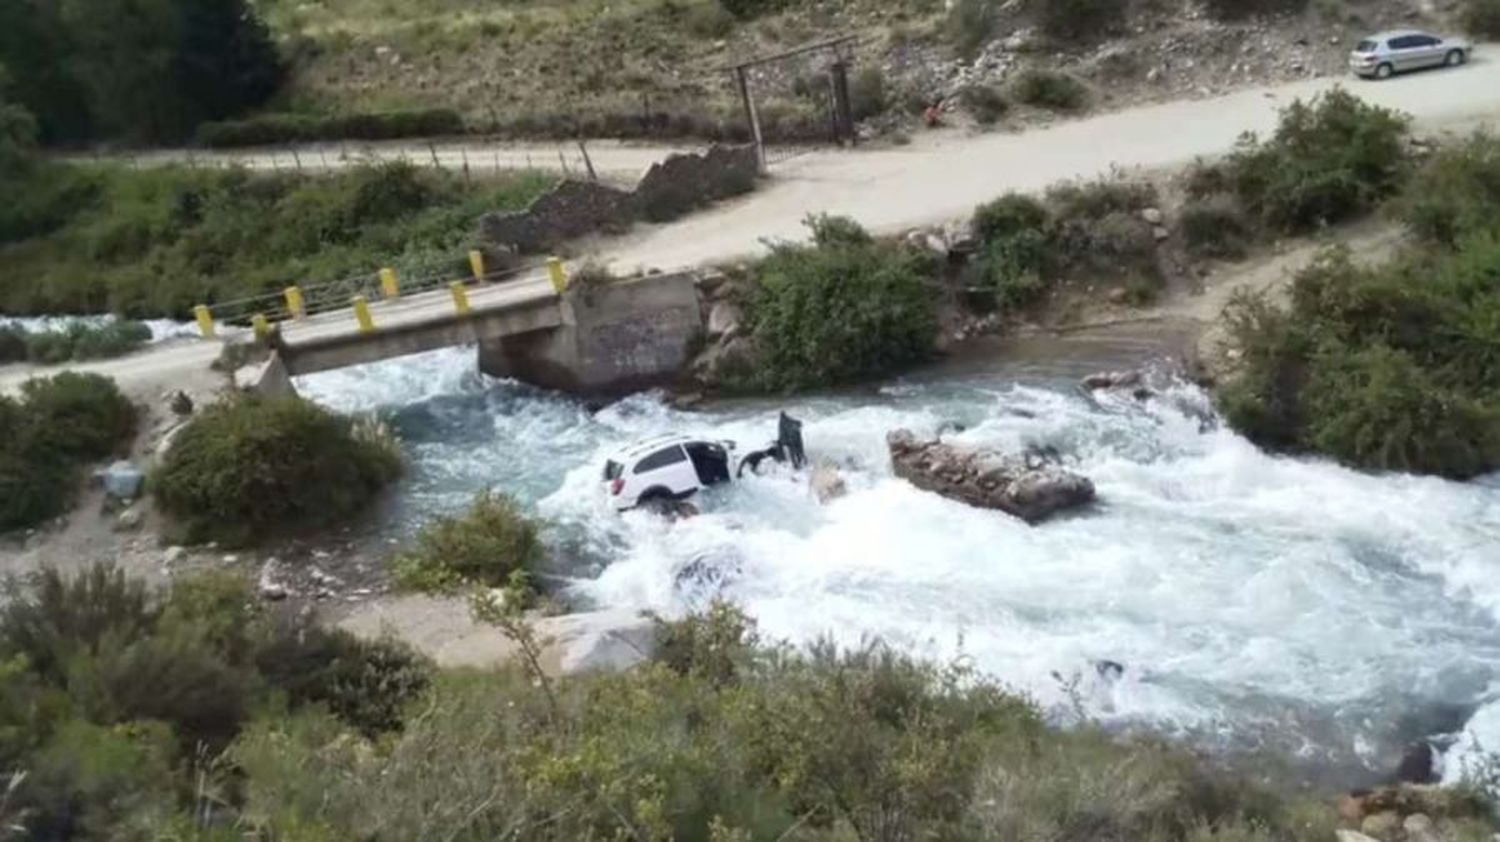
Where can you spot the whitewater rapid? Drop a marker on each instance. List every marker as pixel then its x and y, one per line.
pixel 1253 600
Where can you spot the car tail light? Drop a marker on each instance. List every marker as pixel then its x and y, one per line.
pixel 616 486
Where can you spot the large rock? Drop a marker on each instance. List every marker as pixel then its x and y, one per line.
pixel 1030 489
pixel 724 319
pixel 826 483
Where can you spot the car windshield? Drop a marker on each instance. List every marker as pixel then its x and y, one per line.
pixel 612 470
pixel 1365 47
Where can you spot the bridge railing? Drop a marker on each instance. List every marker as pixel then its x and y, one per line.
pixel 262 313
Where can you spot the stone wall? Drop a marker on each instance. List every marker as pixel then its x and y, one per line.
pixel 669 189
pixel 616 338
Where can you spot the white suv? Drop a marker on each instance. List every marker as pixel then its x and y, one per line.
pixel 665 468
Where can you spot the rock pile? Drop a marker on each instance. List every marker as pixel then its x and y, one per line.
pixel 1029 488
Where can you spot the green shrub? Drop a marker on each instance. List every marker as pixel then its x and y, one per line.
pixel 708 19
pixel 1216 226
pixel 1239 9
pixel 1080 20
pixel 1098 229
pixel 1377 408
pixel 1050 90
pixel 867 94
pixel 80 340
pixel 268 129
pixel 1009 215
pixel 483 546
pixel 100 782
pixel 829 231
pixel 1481 18
pixel 1330 159
pixel 839 312
pixel 986 103
pixel 716 645
pixel 747 9
pixel 1455 193
pixel 80 417
pixel 12 345
pixel 367 684
pixel 970 24
pixel 1096 199
pixel 253 466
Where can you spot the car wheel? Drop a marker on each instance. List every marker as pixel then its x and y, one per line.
pixel 1455 58
pixel 654 499
pixel 1384 71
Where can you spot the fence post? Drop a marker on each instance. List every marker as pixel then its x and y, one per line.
pixel 261 326
pixel 294 302
pixel 205 321
pixel 362 314
pixel 389 287
pixel 555 272
pixel 476 263
pixel 460 297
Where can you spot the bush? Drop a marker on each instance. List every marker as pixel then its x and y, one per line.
pixel 1456 193
pixel 253 466
pixel 1099 230
pixel 1240 9
pixel 867 94
pixel 484 546
pixel 1080 20
pixel 1377 408
pixel 845 310
pixel 747 9
pixel 1050 90
pixel 12 345
pixel 77 340
pixel 1481 18
pixel 986 103
pixel 80 417
pixel 1009 215
pixel 268 129
pixel 971 23
pixel 1330 159
pixel 367 684
pixel 829 231
pixel 1216 226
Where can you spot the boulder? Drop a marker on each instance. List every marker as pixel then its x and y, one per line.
pixel 1018 486
pixel 1420 828
pixel 599 641
pixel 1383 825
pixel 826 483
pixel 1152 216
pixel 1418 764
pixel 128 520
pixel 1345 835
pixel 724 319
pixel 173 555
pixel 1112 380
pixel 713 364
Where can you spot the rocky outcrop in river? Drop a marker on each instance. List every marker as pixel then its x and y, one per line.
pixel 1029 488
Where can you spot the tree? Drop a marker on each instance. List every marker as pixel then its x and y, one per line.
pixel 226 61
pixel 17 130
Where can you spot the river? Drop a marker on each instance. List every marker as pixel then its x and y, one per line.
pixel 1254 601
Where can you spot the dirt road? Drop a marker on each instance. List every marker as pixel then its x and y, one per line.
pixel 944 174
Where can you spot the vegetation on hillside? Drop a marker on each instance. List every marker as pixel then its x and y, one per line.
pixel 252 467
pixel 76 340
pixel 487 545
pixel 197 715
pixel 153 243
pixel 141 70
pixel 58 425
pixel 845 308
pixel 116 704
pixel 1391 367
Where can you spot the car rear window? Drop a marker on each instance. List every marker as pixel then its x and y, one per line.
pixel 1365 47
pixel 612 470
pixel 661 459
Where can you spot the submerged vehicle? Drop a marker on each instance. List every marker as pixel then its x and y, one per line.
pixel 663 469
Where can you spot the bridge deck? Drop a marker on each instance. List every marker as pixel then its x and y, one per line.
pixel 415 323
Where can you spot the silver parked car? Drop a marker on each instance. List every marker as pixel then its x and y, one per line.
pixel 1388 53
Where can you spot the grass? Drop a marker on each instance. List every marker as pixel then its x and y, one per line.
pixel 557 68
pixel 154 243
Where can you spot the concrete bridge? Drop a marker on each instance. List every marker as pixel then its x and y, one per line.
pixel 598 338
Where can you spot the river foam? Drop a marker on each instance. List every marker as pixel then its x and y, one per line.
pixel 1252 600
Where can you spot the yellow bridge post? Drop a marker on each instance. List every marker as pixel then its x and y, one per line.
pixel 205 321
pixel 388 284
pixel 460 298
pixel 362 314
pixel 261 326
pixel 294 303
pixel 556 273
pixel 476 263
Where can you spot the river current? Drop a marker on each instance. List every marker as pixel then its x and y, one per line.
pixel 1253 601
